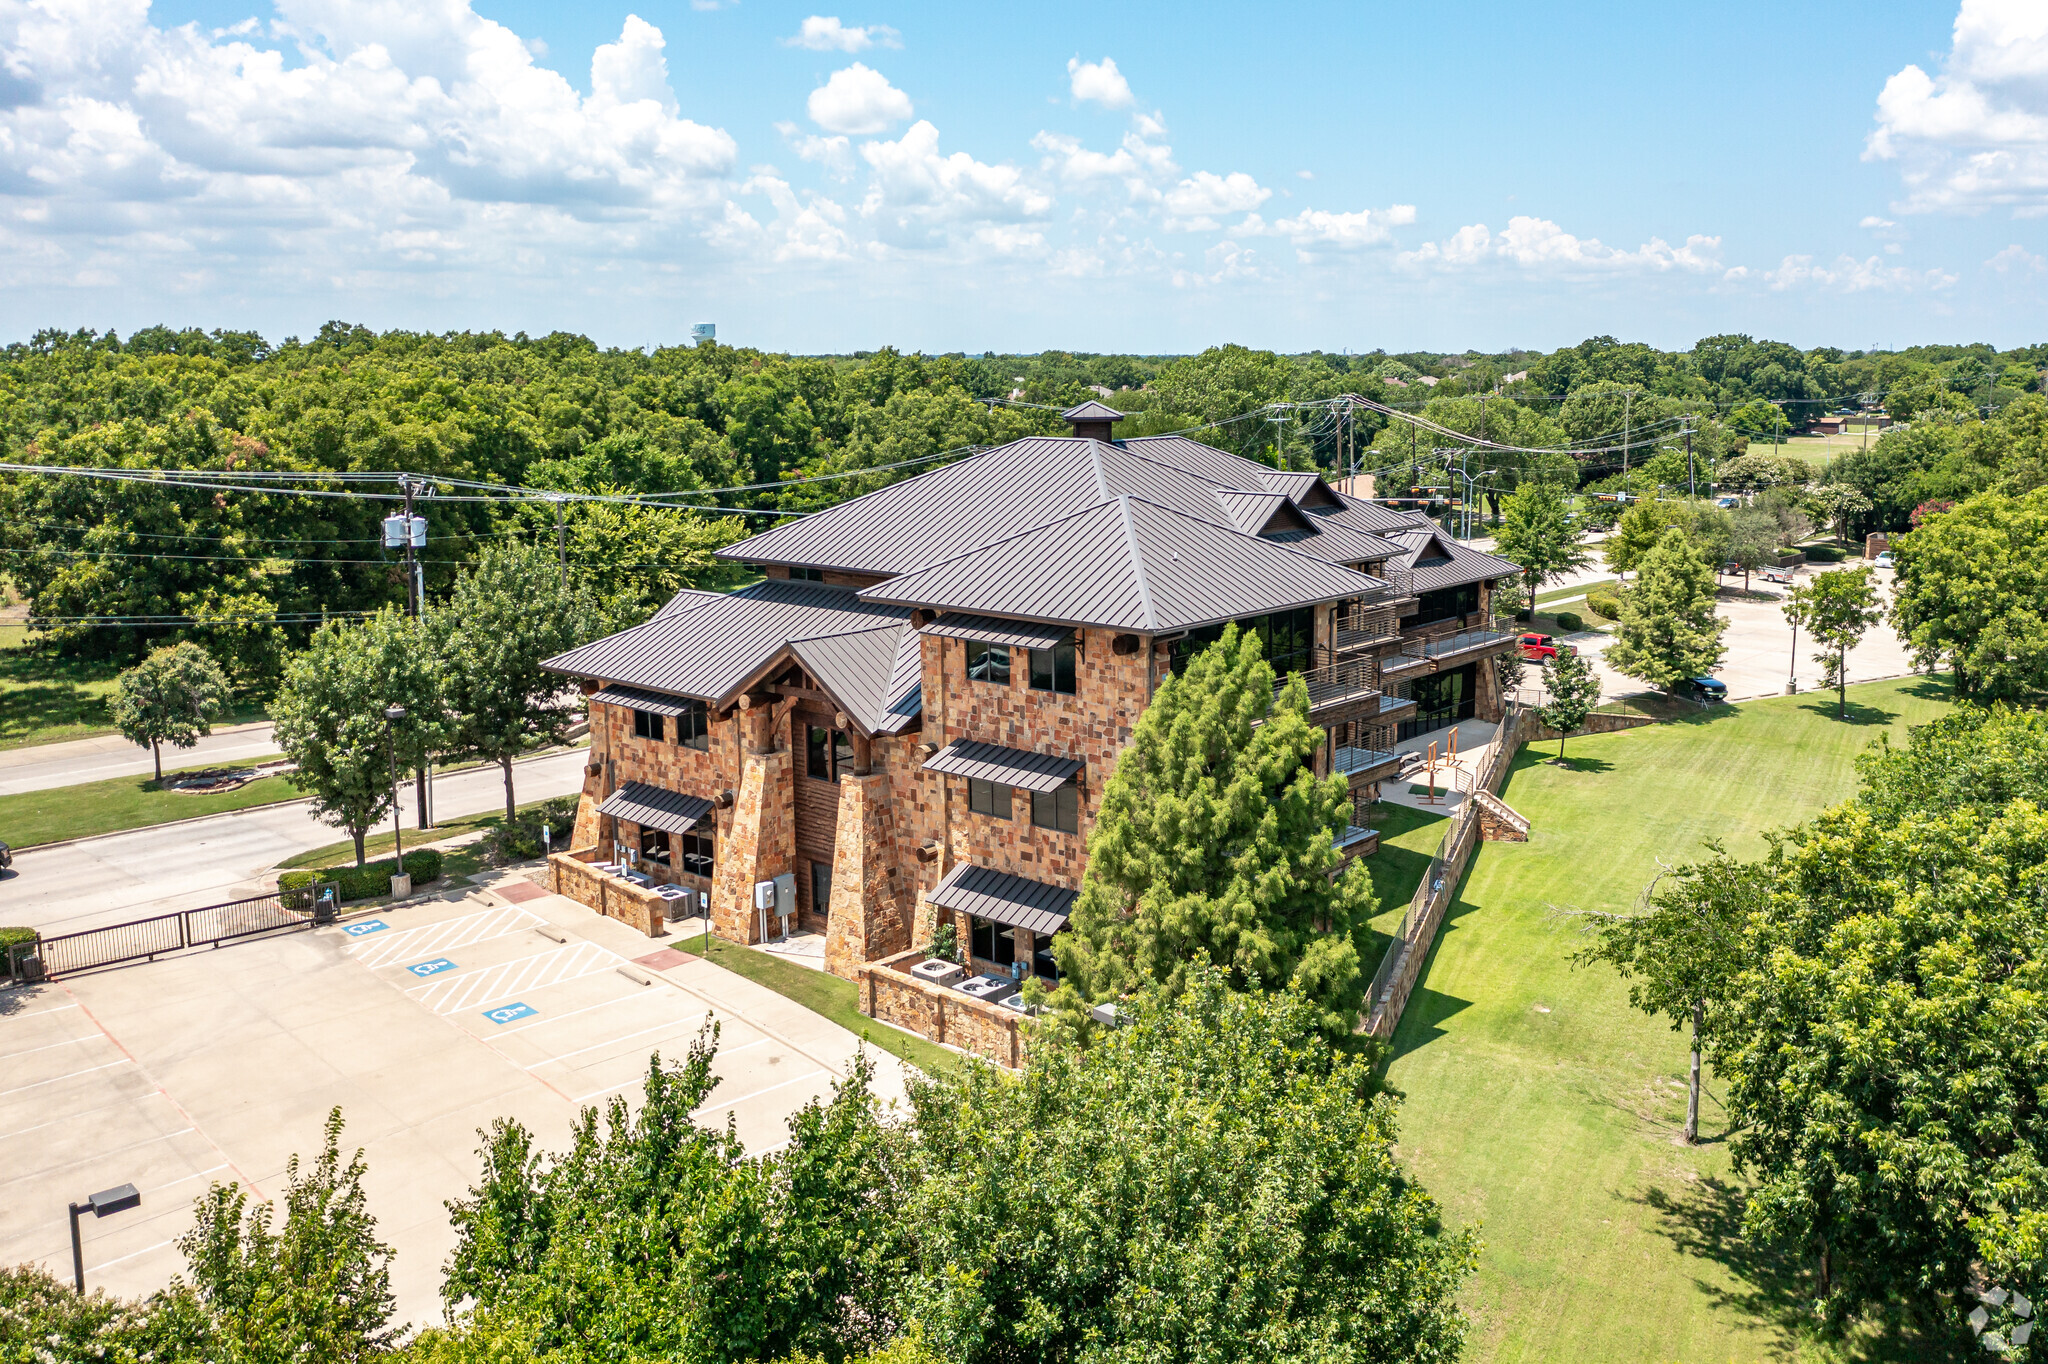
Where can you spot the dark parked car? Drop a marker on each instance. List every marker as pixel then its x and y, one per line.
pixel 1704 689
pixel 6 857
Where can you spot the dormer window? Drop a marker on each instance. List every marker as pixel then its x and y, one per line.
pixel 807 575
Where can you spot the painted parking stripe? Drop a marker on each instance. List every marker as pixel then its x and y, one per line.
pixel 445 935
pixel 431 968
pixel 479 988
pixel 96 1155
pixel 716 1103
pixel 94 1269
pixel 669 1026
pixel 506 1013
pixel 556 1018
pixel 67 1042
pixel 23 1089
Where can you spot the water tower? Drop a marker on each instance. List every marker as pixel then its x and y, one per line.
pixel 702 332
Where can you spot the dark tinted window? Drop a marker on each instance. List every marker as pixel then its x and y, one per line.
pixel 821 888
pixel 693 726
pixel 992 942
pixel 1053 669
pixel 1057 809
pixel 807 575
pixel 654 846
pixel 988 798
pixel 697 854
pixel 842 753
pixel 818 753
pixel 646 725
pixel 1288 636
pixel 988 662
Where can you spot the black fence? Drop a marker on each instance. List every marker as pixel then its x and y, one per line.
pixel 159 935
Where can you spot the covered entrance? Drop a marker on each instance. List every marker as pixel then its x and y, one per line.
pixel 1443 699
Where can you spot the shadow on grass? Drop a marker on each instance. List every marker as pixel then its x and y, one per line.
pixel 1828 707
pixel 1932 689
pixel 1704 1220
pixel 1574 763
pixel 1426 1007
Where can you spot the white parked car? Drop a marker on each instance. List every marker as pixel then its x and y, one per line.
pixel 1884 560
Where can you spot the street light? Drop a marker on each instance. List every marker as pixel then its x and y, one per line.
pixel 101 1204
pixel 392 715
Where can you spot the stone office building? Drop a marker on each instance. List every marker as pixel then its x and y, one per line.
pixel 914 712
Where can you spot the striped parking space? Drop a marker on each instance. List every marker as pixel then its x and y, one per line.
pixel 491 984
pixel 446 935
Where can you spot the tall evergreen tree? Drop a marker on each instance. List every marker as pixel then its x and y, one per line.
pixel 1215 844
pixel 1668 630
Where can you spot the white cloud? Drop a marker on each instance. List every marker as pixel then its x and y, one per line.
pixel 1314 227
pixel 1976 135
pixel 2016 257
pixel 1100 83
pixel 1873 220
pixel 824 33
pixel 835 154
pixel 1226 262
pixel 858 100
pixel 1541 245
pixel 920 197
pixel 1141 166
pixel 1197 202
pixel 1304 175
pixel 395 135
pixel 1851 276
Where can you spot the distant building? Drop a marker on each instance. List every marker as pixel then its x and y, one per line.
pixel 702 332
pixel 1430 380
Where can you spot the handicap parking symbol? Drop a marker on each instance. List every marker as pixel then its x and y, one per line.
pixel 505 1013
pixel 366 926
pixel 432 968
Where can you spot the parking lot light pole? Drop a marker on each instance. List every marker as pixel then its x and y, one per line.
pixel 101 1204
pixel 392 715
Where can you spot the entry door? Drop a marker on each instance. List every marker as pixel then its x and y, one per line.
pixel 821 889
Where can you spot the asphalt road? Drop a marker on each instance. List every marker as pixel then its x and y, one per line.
pixel 206 861
pixel 41 766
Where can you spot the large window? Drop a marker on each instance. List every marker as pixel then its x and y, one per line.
pixel 992 942
pixel 990 798
pixel 1445 604
pixel 654 846
pixel 821 889
pixel 807 575
pixel 693 726
pixel 646 724
pixel 1058 809
pixel 1053 669
pixel 697 854
pixel 988 662
pixel 1289 637
pixel 828 753
pixel 1443 699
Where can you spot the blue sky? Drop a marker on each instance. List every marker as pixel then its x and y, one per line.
pixel 1133 177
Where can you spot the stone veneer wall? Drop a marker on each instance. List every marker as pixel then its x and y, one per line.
pixel 608 895
pixel 868 918
pixel 761 842
pixel 889 992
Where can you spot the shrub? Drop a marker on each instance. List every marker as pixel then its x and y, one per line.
pixel 360 883
pixel 1822 554
pixel 521 838
pixel 11 938
pixel 1570 622
pixel 1604 604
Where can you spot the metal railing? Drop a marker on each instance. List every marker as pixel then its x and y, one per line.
pixel 1402 963
pixel 1443 646
pixel 1400 581
pixel 1364 625
pixel 160 934
pixel 1336 683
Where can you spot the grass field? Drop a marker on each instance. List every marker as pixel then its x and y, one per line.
pixel 28 818
pixel 826 994
pixel 1543 1109
pixel 45 698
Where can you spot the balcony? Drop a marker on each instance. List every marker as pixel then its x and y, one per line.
pixel 1365 624
pixel 1433 650
pixel 1363 764
pixel 1336 684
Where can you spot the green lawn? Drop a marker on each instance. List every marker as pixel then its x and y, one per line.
pixel 1543 1109
pixel 378 844
pixel 105 807
pixel 45 698
pixel 826 994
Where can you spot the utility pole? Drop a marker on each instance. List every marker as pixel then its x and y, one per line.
pixel 1627 399
pixel 562 544
pixel 415 605
pixel 1691 483
pixel 1279 441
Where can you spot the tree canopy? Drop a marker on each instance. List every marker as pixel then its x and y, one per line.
pixel 171 697
pixel 1668 629
pixel 1972 595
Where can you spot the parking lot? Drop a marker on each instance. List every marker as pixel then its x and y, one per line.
pixel 424 1022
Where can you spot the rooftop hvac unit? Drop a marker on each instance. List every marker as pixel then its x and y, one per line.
pixel 993 989
pixel 937 972
pixel 1109 1015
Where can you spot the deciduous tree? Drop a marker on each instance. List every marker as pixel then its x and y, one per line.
pixel 1574 689
pixel 1540 532
pixel 171 697
pixel 1972 595
pixel 330 716
pixel 1836 608
pixel 1668 630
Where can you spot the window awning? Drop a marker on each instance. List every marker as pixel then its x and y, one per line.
pixel 653 808
pixel 1018 634
pixel 996 895
pixel 1010 766
pixel 651 701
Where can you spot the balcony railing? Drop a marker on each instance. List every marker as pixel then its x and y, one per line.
pixel 1363 624
pixel 1443 646
pixel 1347 761
pixel 1336 683
pixel 1400 581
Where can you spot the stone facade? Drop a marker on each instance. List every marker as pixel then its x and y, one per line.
pixel 758 842
pixel 869 917
pixel 889 992
pixel 615 899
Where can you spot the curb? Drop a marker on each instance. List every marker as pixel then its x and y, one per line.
pixel 224 814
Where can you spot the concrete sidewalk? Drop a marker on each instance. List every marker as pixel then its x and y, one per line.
pixel 38 767
pixel 206 861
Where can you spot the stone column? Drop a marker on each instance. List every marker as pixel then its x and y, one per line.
pixel 867 919
pixel 761 842
pixel 1486 688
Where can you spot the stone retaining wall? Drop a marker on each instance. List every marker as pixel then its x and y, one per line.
pixel 1534 729
pixel 573 876
pixel 889 993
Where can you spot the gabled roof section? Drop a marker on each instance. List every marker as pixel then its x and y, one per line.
pixel 1440 562
pixel 1028 483
pixel 1131 565
pixel 1093 411
pixel 1262 513
pixel 860 671
pixel 715 647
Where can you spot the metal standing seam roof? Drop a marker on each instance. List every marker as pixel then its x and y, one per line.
pixel 714 647
pixel 1010 766
pixel 688 599
pixel 860 671
pixel 651 807
pixel 1458 564
pixel 1018 634
pixel 1028 483
pixel 1128 565
pixel 1093 411
pixel 652 702
pixel 997 895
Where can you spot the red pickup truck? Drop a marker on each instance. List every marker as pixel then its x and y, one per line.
pixel 1544 647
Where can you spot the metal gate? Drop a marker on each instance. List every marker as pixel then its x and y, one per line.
pixel 147 939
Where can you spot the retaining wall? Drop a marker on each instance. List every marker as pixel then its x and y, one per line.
pixel 889 993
